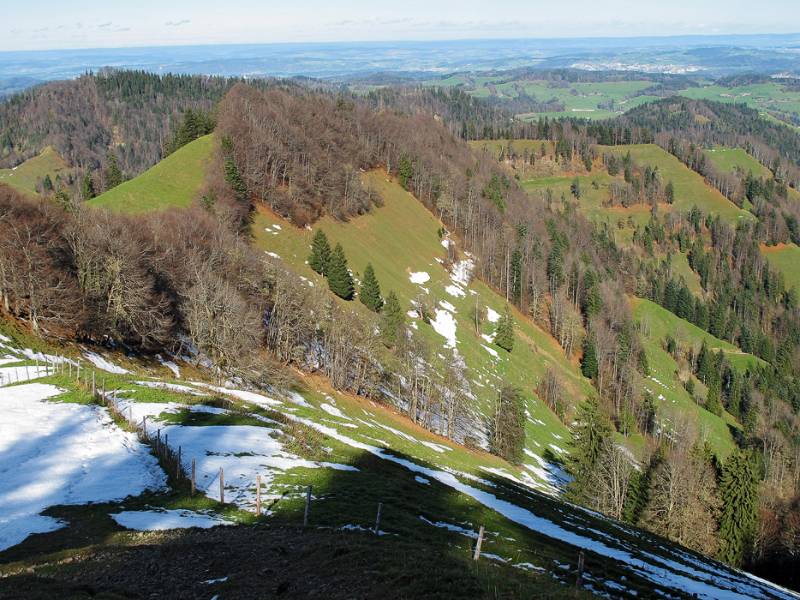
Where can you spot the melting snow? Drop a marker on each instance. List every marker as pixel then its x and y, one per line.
pixel 106 365
pixel 454 290
pixel 445 325
pixel 419 277
pixel 492 315
pixel 61 453
pixel 159 520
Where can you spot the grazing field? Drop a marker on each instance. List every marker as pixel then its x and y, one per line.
pixel 785 258
pixel 677 409
pixel 730 160
pixel 767 97
pixel 401 241
pixel 28 175
pixel 173 182
pixel 690 188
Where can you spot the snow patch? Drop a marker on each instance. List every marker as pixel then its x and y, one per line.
pixel 445 325
pixel 160 520
pixel 419 277
pixel 103 364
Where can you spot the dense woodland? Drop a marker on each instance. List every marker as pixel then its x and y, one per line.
pixel 148 282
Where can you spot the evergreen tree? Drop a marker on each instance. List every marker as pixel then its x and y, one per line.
pixel 591 431
pixel 669 192
pixel 320 253
pixel 508 431
pixel 737 523
pixel 589 366
pixel 234 179
pixel 516 276
pixel 713 401
pixel 393 320
pixel 340 281
pixel 370 294
pixel 87 187
pixel 113 174
pixel 504 334
pixel 575 188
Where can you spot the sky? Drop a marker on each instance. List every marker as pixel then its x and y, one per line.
pixel 54 24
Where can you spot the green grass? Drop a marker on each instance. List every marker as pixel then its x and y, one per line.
pixel 760 96
pixel 673 401
pixel 26 176
pixel 173 182
pixel 690 188
pixel 785 258
pixel 400 238
pixel 730 160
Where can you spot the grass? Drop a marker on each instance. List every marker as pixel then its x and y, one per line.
pixel 731 160
pixel 173 182
pixel 785 258
pixel 764 97
pixel 401 238
pixel 25 177
pixel 690 188
pixel 675 403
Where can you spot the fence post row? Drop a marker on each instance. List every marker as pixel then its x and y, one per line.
pixel 308 506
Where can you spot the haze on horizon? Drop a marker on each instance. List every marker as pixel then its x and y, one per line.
pixel 53 24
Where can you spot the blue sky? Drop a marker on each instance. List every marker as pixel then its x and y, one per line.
pixel 48 24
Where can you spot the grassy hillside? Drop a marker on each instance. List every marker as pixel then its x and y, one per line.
pixel 25 176
pixel 400 239
pixel 353 453
pixel 676 405
pixel 690 188
pixel 729 160
pixel 173 182
pixel 785 258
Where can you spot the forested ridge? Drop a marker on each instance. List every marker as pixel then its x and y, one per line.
pixel 146 282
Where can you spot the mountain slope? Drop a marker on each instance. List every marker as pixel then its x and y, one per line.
pixel 173 182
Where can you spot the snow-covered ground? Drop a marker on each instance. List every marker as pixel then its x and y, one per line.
pixel 159 520
pixel 55 453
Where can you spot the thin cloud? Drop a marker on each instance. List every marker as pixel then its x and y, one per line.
pixel 178 23
pixel 104 25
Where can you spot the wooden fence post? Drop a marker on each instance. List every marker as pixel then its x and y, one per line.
pixel 193 479
pixel 258 495
pixel 144 426
pixel 378 519
pixel 581 561
pixel 221 485
pixel 308 506
pixel 178 466
pixel 93 385
pixel 477 554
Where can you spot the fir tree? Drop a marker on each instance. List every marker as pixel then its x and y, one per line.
pixel 393 320
pixel 340 281
pixel 504 335
pixel 87 187
pixel 589 366
pixel 713 401
pixel 370 294
pixel 113 174
pixel 234 179
pixel 669 192
pixel 508 430
pixel 590 435
pixel 320 253
pixel 737 523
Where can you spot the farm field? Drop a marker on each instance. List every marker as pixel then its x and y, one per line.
pixel 785 258
pixel 676 407
pixel 173 182
pixel 26 176
pixel 730 160
pixel 774 97
pixel 690 188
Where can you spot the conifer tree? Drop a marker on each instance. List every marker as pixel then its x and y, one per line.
pixel 589 366
pixel 504 335
pixel 393 320
pixel 370 294
pixel 87 187
pixel 320 253
pixel 589 437
pixel 508 429
pixel 713 401
pixel 737 523
pixel 113 174
pixel 669 192
pixel 340 281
